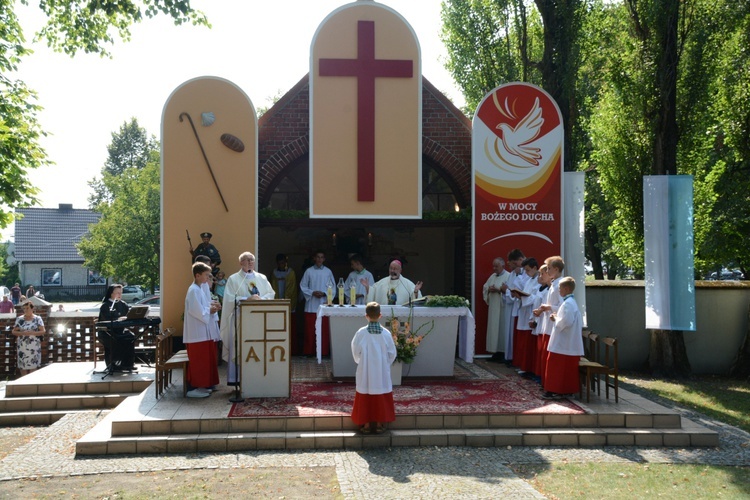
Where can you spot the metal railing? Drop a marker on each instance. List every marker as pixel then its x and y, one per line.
pixel 69 338
pixel 77 293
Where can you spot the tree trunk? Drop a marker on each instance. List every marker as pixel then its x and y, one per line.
pixel 668 356
pixel 741 366
pixel 560 63
pixel 592 251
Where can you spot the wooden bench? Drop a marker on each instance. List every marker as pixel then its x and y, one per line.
pixel 166 361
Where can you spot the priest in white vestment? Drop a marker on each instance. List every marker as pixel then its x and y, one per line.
pixel 242 285
pixel 394 289
pixel 492 292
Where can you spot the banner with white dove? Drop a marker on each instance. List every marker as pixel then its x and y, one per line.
pixel 517 155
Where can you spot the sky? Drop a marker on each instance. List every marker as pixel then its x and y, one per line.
pixel 263 47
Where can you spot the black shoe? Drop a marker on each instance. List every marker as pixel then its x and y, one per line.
pixel 551 395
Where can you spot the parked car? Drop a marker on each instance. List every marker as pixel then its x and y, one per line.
pixel 154 304
pixel 133 293
pixel 727 274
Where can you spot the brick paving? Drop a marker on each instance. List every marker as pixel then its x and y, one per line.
pixel 426 472
pixel 378 473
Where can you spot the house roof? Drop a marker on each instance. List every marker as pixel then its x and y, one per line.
pixel 51 234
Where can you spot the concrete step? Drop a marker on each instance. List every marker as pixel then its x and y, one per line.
pixel 689 435
pixel 19 389
pixel 34 418
pixel 67 402
pixel 174 424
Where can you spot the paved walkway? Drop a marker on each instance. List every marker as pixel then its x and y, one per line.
pixel 387 473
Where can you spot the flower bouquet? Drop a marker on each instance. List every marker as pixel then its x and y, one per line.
pixel 405 339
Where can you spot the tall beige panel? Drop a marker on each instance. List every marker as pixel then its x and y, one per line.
pixel 209 182
pixel 365 115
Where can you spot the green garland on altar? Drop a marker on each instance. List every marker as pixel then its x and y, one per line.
pixel 446 301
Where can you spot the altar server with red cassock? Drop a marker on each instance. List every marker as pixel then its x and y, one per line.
pixel 374 351
pixel 199 336
pixel 314 285
pixel 565 345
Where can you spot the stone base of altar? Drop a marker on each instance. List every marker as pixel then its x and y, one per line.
pixel 449 332
pixel 173 424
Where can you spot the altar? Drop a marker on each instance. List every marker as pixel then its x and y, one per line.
pixel 436 353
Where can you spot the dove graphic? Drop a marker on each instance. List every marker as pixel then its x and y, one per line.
pixel 516 140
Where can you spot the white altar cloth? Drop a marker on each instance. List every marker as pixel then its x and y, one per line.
pixel 466 327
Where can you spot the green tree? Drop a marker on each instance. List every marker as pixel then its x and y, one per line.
pixel 131 147
pixel 19 128
pixel 72 26
pixel 125 241
pixel 491 42
pixel 718 151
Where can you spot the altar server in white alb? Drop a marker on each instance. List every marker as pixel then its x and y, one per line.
pixel 206 287
pixel 394 289
pixel 314 285
pixel 516 281
pixel 356 278
pixel 245 284
pixel 565 345
pixel 492 292
pixel 374 352
pixel 199 336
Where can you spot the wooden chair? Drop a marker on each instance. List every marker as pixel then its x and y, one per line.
pixel 592 371
pixel 165 362
pixel 610 345
pixel 587 355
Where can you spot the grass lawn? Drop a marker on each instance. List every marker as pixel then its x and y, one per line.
pixel 721 398
pixel 636 480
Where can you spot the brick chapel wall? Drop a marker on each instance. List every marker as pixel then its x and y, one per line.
pixel 283 138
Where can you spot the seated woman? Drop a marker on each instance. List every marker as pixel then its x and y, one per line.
pixel 119 343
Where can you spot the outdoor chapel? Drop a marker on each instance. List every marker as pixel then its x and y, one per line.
pixel 386 167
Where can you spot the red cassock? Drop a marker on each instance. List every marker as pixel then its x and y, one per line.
pixel 325 336
pixel 529 360
pixel 373 408
pixel 518 345
pixel 541 355
pixel 202 369
pixel 561 375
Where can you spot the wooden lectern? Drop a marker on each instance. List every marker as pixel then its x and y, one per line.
pixel 265 348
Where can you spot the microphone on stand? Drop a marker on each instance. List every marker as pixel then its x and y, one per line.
pixel 237 398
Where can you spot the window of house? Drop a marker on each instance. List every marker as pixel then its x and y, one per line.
pixel 52 276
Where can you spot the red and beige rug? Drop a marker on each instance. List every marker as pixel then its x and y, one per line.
pixel 507 395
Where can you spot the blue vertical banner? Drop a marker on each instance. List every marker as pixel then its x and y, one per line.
pixel 668 239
